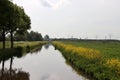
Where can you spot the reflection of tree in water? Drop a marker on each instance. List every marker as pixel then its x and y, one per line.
pixel 12 74
pixel 47 46
pixel 37 50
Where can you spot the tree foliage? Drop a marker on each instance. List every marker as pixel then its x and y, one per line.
pixel 13 19
pixel 46 37
pixel 29 36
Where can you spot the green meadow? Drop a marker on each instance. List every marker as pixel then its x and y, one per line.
pixel 109 49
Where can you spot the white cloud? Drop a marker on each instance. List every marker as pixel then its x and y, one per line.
pixel 55 4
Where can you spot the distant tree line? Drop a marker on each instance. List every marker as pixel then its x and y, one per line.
pixel 28 36
pixel 46 37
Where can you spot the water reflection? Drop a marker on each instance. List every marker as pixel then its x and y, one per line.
pixel 8 56
pixel 39 64
pixel 36 50
pixel 47 45
pixel 12 74
pixel 51 77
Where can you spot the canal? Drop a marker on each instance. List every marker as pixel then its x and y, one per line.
pixel 45 64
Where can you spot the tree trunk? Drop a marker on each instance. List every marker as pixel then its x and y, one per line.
pixel 3 62
pixel 11 61
pixel 3 37
pixel 11 35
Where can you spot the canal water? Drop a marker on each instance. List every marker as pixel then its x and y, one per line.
pixel 45 64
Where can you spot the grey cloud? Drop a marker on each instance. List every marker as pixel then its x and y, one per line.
pixel 45 3
pixel 85 17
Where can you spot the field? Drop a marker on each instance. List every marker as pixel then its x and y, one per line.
pixel 110 49
pixel 98 59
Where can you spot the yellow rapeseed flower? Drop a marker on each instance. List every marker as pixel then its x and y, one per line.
pixel 113 63
pixel 85 52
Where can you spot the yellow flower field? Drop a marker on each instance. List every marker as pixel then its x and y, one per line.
pixel 85 52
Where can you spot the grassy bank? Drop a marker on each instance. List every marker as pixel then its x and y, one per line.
pixel 90 59
pixel 19 49
pixel 22 43
pixel 31 45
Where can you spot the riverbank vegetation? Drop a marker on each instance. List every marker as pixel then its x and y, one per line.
pixel 93 57
pixel 32 45
pixel 20 48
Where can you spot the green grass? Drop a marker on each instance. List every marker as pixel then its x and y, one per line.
pixel 22 44
pixel 110 49
pixel 7 44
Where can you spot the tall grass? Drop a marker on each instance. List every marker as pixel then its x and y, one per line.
pixel 90 61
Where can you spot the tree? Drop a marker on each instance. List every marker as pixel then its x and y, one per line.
pixel 20 37
pixel 12 19
pixel 46 37
pixel 4 13
pixel 18 22
pixel 28 36
pixel 34 36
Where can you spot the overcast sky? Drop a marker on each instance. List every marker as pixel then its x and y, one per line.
pixel 74 18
